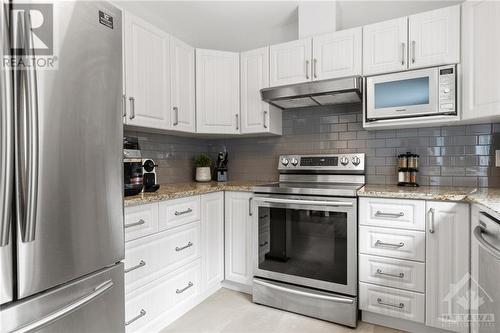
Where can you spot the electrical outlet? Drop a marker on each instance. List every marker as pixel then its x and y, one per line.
pixel 497 162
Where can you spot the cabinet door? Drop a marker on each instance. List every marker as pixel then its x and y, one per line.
pixel 337 54
pixel 447 264
pixel 212 230
pixel 435 38
pixel 480 60
pixel 182 86
pixel 238 237
pixel 290 62
pixel 254 76
pixel 385 46
pixel 217 92
pixel 147 74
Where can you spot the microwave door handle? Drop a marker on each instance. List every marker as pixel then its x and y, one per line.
pixel 307 202
pixel 7 134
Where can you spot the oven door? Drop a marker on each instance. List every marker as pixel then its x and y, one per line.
pixel 308 241
pixel 401 95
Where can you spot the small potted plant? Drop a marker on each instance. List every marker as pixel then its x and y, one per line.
pixel 203 163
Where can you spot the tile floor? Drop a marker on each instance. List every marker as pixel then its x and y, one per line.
pixel 229 311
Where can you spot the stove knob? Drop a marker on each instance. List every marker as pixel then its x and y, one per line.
pixel 356 160
pixel 294 161
pixel 284 161
pixel 344 160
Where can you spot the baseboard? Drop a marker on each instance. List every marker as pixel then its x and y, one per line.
pixel 237 287
pixel 399 324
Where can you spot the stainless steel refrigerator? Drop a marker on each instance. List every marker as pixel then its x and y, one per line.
pixel 61 207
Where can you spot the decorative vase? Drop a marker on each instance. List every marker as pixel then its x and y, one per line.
pixel 203 174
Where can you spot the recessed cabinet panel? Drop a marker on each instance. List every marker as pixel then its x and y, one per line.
pixel 290 62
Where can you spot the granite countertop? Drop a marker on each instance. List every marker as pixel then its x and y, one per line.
pixel 488 197
pixel 181 190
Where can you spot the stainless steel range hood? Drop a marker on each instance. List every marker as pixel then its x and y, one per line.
pixel 327 92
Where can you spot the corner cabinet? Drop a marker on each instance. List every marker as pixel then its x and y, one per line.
pixel 238 237
pixel 217 92
pixel 447 265
pixel 480 60
pixel 147 74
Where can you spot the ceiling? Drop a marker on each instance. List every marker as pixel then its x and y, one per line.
pixel 245 25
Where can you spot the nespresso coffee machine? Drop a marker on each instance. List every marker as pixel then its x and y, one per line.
pixel 149 175
pixel 132 166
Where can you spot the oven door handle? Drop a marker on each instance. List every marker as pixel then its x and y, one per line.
pixel 304 293
pixel 306 202
pixel 478 233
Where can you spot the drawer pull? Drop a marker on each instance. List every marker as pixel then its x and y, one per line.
pixel 141 263
pixel 180 291
pixel 187 211
pixel 140 315
pixel 379 243
pixel 399 306
pixel 379 213
pixel 400 275
pixel 189 244
pixel 130 225
pixel 263 244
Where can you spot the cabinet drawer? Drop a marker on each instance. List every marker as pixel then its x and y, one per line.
pixel 403 274
pixel 141 221
pixel 404 244
pixel 161 296
pixel 392 302
pixel 148 258
pixel 179 211
pixel 401 214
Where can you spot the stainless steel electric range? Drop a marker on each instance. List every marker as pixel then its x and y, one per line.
pixel 305 237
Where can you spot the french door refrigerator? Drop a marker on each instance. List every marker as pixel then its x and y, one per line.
pixel 61 207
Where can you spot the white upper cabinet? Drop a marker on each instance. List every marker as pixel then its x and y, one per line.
pixel 434 38
pixel 290 62
pixel 385 46
pixel 337 54
pixel 447 264
pixel 217 92
pixel 147 74
pixel 183 109
pixel 480 60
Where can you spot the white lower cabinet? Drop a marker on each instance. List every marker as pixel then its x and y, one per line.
pixel 238 237
pixel 212 217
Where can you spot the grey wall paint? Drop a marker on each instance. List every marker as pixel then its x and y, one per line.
pixel 450 156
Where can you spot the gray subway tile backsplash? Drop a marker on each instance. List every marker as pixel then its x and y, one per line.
pixel 449 156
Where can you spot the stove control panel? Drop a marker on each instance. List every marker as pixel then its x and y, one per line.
pixel 333 162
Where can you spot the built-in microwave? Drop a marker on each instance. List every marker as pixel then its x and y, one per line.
pixel 423 92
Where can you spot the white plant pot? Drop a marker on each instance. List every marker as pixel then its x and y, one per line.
pixel 203 174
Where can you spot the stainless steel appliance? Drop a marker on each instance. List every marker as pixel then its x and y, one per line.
pixel 305 237
pixel 316 93
pixel 132 166
pixel 61 232
pixel 417 93
pixel 485 268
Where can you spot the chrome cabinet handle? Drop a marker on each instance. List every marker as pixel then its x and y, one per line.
pixel 396 215
pixel 132 107
pixel 478 233
pixel 130 225
pixel 403 51
pixel 124 105
pixel 180 291
pixel 315 65
pixel 178 249
pixel 399 306
pixel 141 263
pixel 431 222
pixel 265 119
pixel 187 211
pixel 250 213
pixel 380 243
pixel 413 47
pixel 400 275
pixel 141 314
pixel 6 133
pixel 237 122
pixel 307 69
pixel 176 114
pixel 263 244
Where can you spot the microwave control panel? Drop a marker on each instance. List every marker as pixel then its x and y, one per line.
pixel 447 89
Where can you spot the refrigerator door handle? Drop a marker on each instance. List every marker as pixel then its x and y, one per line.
pixel 7 135
pixel 78 303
